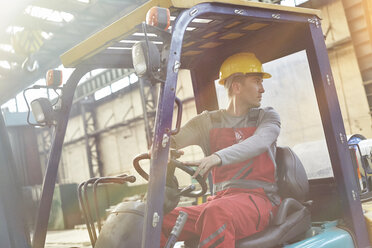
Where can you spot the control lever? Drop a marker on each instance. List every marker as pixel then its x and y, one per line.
pixel 175 154
pixel 187 189
pixel 179 116
pixel 180 222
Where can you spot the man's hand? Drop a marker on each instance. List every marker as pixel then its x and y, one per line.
pixel 176 154
pixel 205 165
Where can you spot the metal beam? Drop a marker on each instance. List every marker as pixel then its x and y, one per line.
pixel 54 159
pixel 100 81
pixel 104 38
pixel 70 6
pixel 63 38
pixel 91 142
pixel 111 59
pixel 38 23
pixel 334 131
pixel 11 57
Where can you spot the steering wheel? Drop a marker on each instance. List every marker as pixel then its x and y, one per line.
pixel 187 191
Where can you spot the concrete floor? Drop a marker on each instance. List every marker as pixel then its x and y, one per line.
pixel 74 238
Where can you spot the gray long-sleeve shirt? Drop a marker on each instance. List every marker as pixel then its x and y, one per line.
pixel 196 132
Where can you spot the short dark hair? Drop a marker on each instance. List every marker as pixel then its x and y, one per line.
pixel 234 78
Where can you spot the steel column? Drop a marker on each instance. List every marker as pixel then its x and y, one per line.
pixel 91 142
pixel 335 133
pixel 204 88
pixel 160 149
pixel 55 155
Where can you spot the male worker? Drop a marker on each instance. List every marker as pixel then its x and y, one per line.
pixel 240 142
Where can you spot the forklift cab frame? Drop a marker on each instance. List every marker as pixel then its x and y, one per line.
pixel 270 31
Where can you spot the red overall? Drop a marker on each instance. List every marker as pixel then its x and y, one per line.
pixel 233 213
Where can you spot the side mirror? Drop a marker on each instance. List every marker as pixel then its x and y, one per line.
pixel 42 111
pixel 42 108
pixel 146 58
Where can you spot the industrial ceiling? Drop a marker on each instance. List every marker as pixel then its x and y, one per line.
pixel 34 33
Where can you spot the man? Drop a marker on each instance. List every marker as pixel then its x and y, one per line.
pixel 240 144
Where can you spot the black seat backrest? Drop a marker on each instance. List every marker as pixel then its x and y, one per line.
pixel 292 178
pixel 293 219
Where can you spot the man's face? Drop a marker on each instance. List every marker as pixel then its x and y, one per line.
pixel 250 91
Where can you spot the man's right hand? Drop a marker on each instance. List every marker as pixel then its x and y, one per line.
pixel 205 165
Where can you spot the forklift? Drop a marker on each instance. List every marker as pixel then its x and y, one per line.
pixel 219 29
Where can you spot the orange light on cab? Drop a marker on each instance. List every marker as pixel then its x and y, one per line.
pixel 54 78
pixel 158 17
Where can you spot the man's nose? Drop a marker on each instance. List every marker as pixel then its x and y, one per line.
pixel 261 89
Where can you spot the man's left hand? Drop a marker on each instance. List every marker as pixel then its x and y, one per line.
pixel 205 165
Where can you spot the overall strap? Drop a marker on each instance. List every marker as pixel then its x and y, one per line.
pixel 246 184
pixel 271 189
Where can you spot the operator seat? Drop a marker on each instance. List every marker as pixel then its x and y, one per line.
pixel 292 218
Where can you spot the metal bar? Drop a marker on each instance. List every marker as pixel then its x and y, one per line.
pixel 82 205
pixel 86 139
pixel 90 220
pixel 110 59
pixel 256 13
pixel 13 229
pixel 55 155
pixel 119 180
pixel 335 134
pixel 96 203
pixel 160 149
pixel 113 32
pixel 155 194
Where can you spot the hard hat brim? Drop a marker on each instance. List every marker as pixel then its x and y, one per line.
pixel 265 75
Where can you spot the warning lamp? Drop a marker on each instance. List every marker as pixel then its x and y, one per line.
pixel 42 111
pixel 54 78
pixel 158 17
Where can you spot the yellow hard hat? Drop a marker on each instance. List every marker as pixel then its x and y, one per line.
pixel 241 63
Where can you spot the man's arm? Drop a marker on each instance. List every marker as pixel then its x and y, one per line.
pixel 194 132
pixel 264 137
